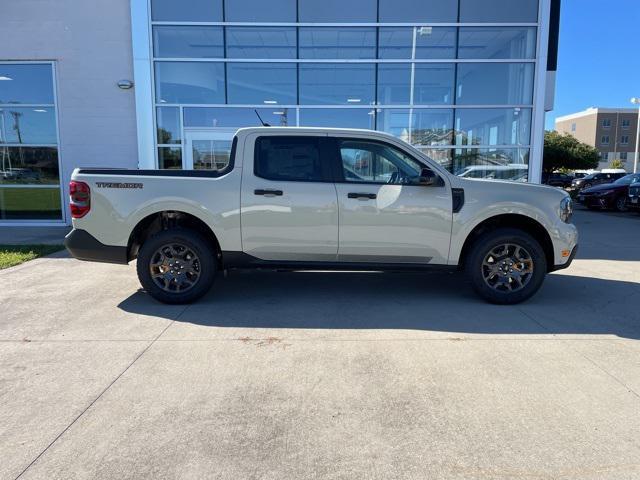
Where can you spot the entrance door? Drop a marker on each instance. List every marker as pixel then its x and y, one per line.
pixel 208 149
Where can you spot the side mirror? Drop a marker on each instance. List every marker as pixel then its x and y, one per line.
pixel 427 177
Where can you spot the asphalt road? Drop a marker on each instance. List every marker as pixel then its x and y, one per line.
pixel 325 375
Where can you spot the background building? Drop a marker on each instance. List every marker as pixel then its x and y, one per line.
pixel 466 81
pixel 611 130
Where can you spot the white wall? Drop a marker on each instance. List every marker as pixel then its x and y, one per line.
pixel 90 40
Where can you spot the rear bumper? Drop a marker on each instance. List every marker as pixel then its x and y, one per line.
pixel 84 246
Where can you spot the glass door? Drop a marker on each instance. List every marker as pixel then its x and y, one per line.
pixel 208 149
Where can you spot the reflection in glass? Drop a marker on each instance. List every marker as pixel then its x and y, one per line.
pixel 443 156
pixel 394 83
pixel 171 41
pixel 261 42
pixel 29 165
pixel 238 117
pixel 168 120
pixel 170 158
pixel 260 10
pixel 340 42
pixel 495 83
pixel 433 84
pixel 431 42
pixel 341 84
pixel 26 83
pixel 408 11
pixel 503 164
pixel 498 11
pixel 494 126
pixel 211 154
pixel 28 125
pixel 497 42
pixel 420 127
pixel 189 82
pixel 186 11
pixel 356 11
pixel 30 203
pixel 261 83
pixel 338 117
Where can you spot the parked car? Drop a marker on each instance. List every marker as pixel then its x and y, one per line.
pixel 515 172
pixel 284 200
pixel 595 179
pixel 609 195
pixel 634 197
pixel 557 179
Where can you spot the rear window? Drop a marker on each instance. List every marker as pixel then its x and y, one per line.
pixel 296 159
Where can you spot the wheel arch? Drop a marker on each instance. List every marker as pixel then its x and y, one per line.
pixel 511 220
pixel 164 220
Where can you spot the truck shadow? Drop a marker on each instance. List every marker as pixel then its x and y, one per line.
pixel 443 302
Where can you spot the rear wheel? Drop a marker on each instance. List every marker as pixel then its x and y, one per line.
pixel 506 266
pixel 176 266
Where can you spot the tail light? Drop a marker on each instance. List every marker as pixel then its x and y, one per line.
pixel 80 198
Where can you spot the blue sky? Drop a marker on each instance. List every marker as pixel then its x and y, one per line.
pixel 599 57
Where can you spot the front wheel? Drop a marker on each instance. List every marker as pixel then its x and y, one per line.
pixel 621 204
pixel 176 266
pixel 506 266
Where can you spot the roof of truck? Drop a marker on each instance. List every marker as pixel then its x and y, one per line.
pixel 360 131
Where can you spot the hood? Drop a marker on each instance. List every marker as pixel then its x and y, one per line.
pixel 602 187
pixel 509 186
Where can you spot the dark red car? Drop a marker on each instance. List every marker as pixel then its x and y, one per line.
pixel 609 195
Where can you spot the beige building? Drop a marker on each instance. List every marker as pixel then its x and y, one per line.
pixel 611 130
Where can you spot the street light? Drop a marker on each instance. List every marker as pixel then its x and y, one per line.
pixel 636 101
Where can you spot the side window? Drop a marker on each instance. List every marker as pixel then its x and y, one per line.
pixel 296 159
pixel 373 162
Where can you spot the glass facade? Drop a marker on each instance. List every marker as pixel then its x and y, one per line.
pixel 428 71
pixel 30 172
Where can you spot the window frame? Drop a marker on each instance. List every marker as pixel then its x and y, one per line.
pixel 324 151
pixel 339 169
pixel 64 211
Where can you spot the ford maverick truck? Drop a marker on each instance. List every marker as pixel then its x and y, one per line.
pixel 311 198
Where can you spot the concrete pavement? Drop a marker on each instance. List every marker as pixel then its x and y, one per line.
pixel 325 375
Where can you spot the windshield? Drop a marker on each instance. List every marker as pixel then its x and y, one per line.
pixel 628 179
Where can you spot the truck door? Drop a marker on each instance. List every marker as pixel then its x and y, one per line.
pixel 385 216
pixel 289 207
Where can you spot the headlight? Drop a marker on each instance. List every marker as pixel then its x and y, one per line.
pixel 566 209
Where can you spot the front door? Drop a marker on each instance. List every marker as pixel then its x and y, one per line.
pixel 288 201
pixel 385 216
pixel 208 148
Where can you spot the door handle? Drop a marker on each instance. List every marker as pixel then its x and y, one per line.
pixel 365 196
pixel 267 192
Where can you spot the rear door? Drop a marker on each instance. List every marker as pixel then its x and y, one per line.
pixel 385 215
pixel 289 207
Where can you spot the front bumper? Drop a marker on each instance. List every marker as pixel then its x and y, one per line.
pixel 574 251
pixel 596 201
pixel 84 246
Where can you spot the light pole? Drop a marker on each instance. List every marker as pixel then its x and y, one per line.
pixel 636 101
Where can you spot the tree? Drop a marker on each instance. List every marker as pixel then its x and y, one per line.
pixel 616 164
pixel 562 151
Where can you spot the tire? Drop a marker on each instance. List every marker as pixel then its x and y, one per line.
pixel 508 293
pixel 189 253
pixel 620 204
